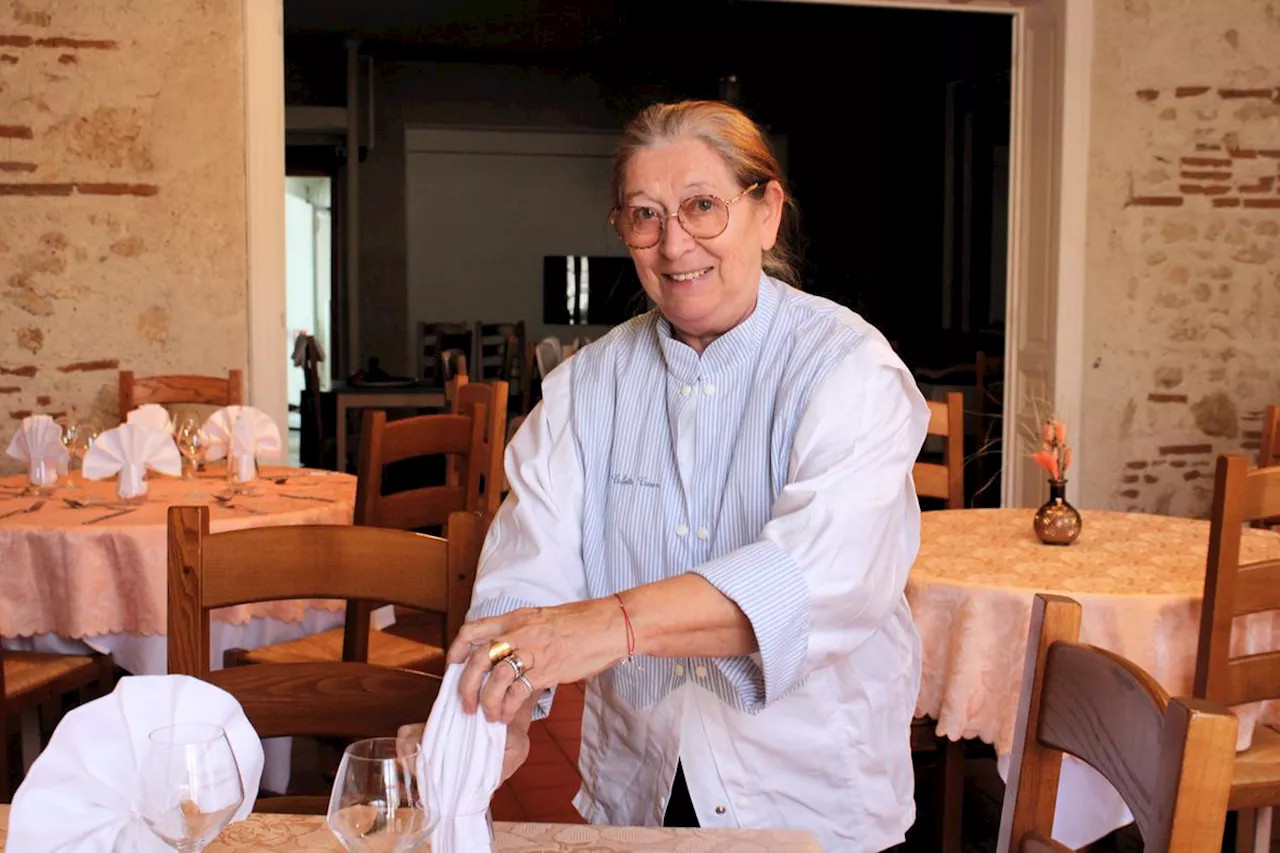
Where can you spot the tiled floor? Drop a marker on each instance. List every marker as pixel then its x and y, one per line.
pixel 543 789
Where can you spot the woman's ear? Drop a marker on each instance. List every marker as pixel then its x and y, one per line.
pixel 770 214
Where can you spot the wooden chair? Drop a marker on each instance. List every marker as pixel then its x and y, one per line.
pixel 31 679
pixel 383 443
pixel 487 402
pixel 163 390
pixel 333 698
pixel 1233 589
pixel 1269 442
pixel 945 481
pixel 1169 759
pixel 500 354
pixel 435 339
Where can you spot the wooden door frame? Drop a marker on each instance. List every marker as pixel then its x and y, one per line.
pixel 264 190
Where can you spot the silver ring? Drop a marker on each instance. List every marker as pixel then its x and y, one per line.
pixel 524 679
pixel 517 665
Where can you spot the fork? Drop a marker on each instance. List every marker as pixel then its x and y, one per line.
pixel 115 514
pixel 35 506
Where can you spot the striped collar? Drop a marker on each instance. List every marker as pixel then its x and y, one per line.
pixel 734 348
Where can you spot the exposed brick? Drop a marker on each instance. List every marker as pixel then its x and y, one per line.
pixel 68 59
pixel 16 166
pixel 1136 466
pixel 1226 202
pixel 27 370
pixel 1208 162
pixel 1155 201
pixel 1264 185
pixel 60 189
pixel 43 400
pixel 1208 146
pixel 15 131
pixel 1205 176
pixel 82 366
pixel 1147 94
pixel 10 389
pixel 37 189
pixel 1236 94
pixel 1150 478
pixel 8 59
pixel 20 414
pixel 1177 463
pixel 1197 189
pixel 1191 475
pixel 1129 493
pixel 1262 202
pixel 1167 398
pixel 1185 449
pixel 57 41
pixel 1190 91
pixel 117 189
pixel 1129 478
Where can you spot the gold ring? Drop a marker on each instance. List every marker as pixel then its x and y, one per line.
pixel 498 650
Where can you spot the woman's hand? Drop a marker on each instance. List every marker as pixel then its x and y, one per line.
pixel 409 741
pixel 556 645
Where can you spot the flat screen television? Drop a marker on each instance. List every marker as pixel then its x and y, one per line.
pixel 590 290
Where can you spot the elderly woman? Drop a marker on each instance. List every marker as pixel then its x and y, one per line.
pixel 711 522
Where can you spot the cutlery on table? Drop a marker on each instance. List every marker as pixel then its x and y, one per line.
pixel 229 503
pixel 308 498
pixel 115 514
pixel 24 510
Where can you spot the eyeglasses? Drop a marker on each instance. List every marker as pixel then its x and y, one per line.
pixel 701 216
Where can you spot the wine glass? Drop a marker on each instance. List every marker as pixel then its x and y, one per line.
pixel 376 805
pixel 78 437
pixel 189 785
pixel 192 444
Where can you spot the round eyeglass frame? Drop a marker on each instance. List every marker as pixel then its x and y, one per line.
pixel 615 219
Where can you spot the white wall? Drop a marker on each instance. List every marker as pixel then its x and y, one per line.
pixel 483 209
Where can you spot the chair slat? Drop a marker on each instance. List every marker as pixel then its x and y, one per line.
pixel 420 507
pixel 932 480
pixel 1262 494
pixel 1251 678
pixel 427 435
pixel 180 388
pixel 355 700
pixel 939 418
pixel 1258 587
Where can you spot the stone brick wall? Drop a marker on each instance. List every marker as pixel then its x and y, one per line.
pixel 1183 299
pixel 122 212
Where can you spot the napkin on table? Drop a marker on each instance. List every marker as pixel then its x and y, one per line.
pixel 38 442
pixel 151 415
pixel 81 792
pixel 243 431
pixel 128 450
pixel 461 767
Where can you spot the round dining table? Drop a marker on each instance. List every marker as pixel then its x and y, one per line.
pixel 1139 579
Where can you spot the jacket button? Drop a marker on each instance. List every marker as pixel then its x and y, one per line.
pixel 700 671
pixel 679 670
pixel 719 809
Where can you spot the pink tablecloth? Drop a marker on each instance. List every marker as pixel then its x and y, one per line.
pixel 59 575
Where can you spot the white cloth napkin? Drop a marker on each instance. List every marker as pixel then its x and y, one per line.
pixel 461 762
pixel 242 430
pixel 38 442
pixel 151 415
pixel 128 450
pixel 81 792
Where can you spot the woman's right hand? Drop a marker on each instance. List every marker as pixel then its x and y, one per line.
pixel 409 738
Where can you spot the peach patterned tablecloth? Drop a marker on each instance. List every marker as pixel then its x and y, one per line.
pixel 263 833
pixel 1139 579
pixel 61 576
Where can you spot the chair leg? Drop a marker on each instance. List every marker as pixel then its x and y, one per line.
pixel 1246 823
pixel 30 722
pixel 1262 830
pixel 6 793
pixel 951 789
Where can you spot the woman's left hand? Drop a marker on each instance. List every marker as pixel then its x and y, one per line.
pixel 555 645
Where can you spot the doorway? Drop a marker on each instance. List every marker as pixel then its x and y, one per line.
pixel 308 281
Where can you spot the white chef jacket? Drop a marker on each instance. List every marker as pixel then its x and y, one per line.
pixel 821 745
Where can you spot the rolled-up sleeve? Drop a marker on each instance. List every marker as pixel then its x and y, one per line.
pixel 532 555
pixel 831 564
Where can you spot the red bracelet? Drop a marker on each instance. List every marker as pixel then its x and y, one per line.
pixel 631 632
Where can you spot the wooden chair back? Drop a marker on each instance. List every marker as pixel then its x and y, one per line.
pixel 434 340
pixel 1231 589
pixel 1170 760
pixel 487 402
pixel 165 390
pixel 1269 441
pixel 383 443
pixel 350 700
pixel 945 481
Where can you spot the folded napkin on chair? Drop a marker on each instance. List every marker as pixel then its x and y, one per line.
pixel 80 794
pixel 461 762
pixel 128 450
pixel 151 415
pixel 242 431
pixel 38 442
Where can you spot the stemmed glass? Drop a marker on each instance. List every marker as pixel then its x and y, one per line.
pixel 189 785
pixel 78 438
pixel 193 443
pixel 376 805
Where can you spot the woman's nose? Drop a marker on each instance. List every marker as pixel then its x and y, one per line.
pixel 675 240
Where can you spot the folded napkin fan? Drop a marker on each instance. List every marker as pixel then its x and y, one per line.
pixel 80 794
pixel 38 442
pixel 151 415
pixel 128 450
pixel 243 430
pixel 460 767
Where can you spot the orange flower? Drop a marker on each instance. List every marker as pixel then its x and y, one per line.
pixel 1048 433
pixel 1045 459
pixel 1060 430
pixel 1066 460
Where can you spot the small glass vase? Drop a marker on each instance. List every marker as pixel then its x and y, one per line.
pixel 242 470
pixel 1057 522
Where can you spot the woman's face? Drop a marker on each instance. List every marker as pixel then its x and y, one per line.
pixel 704 287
